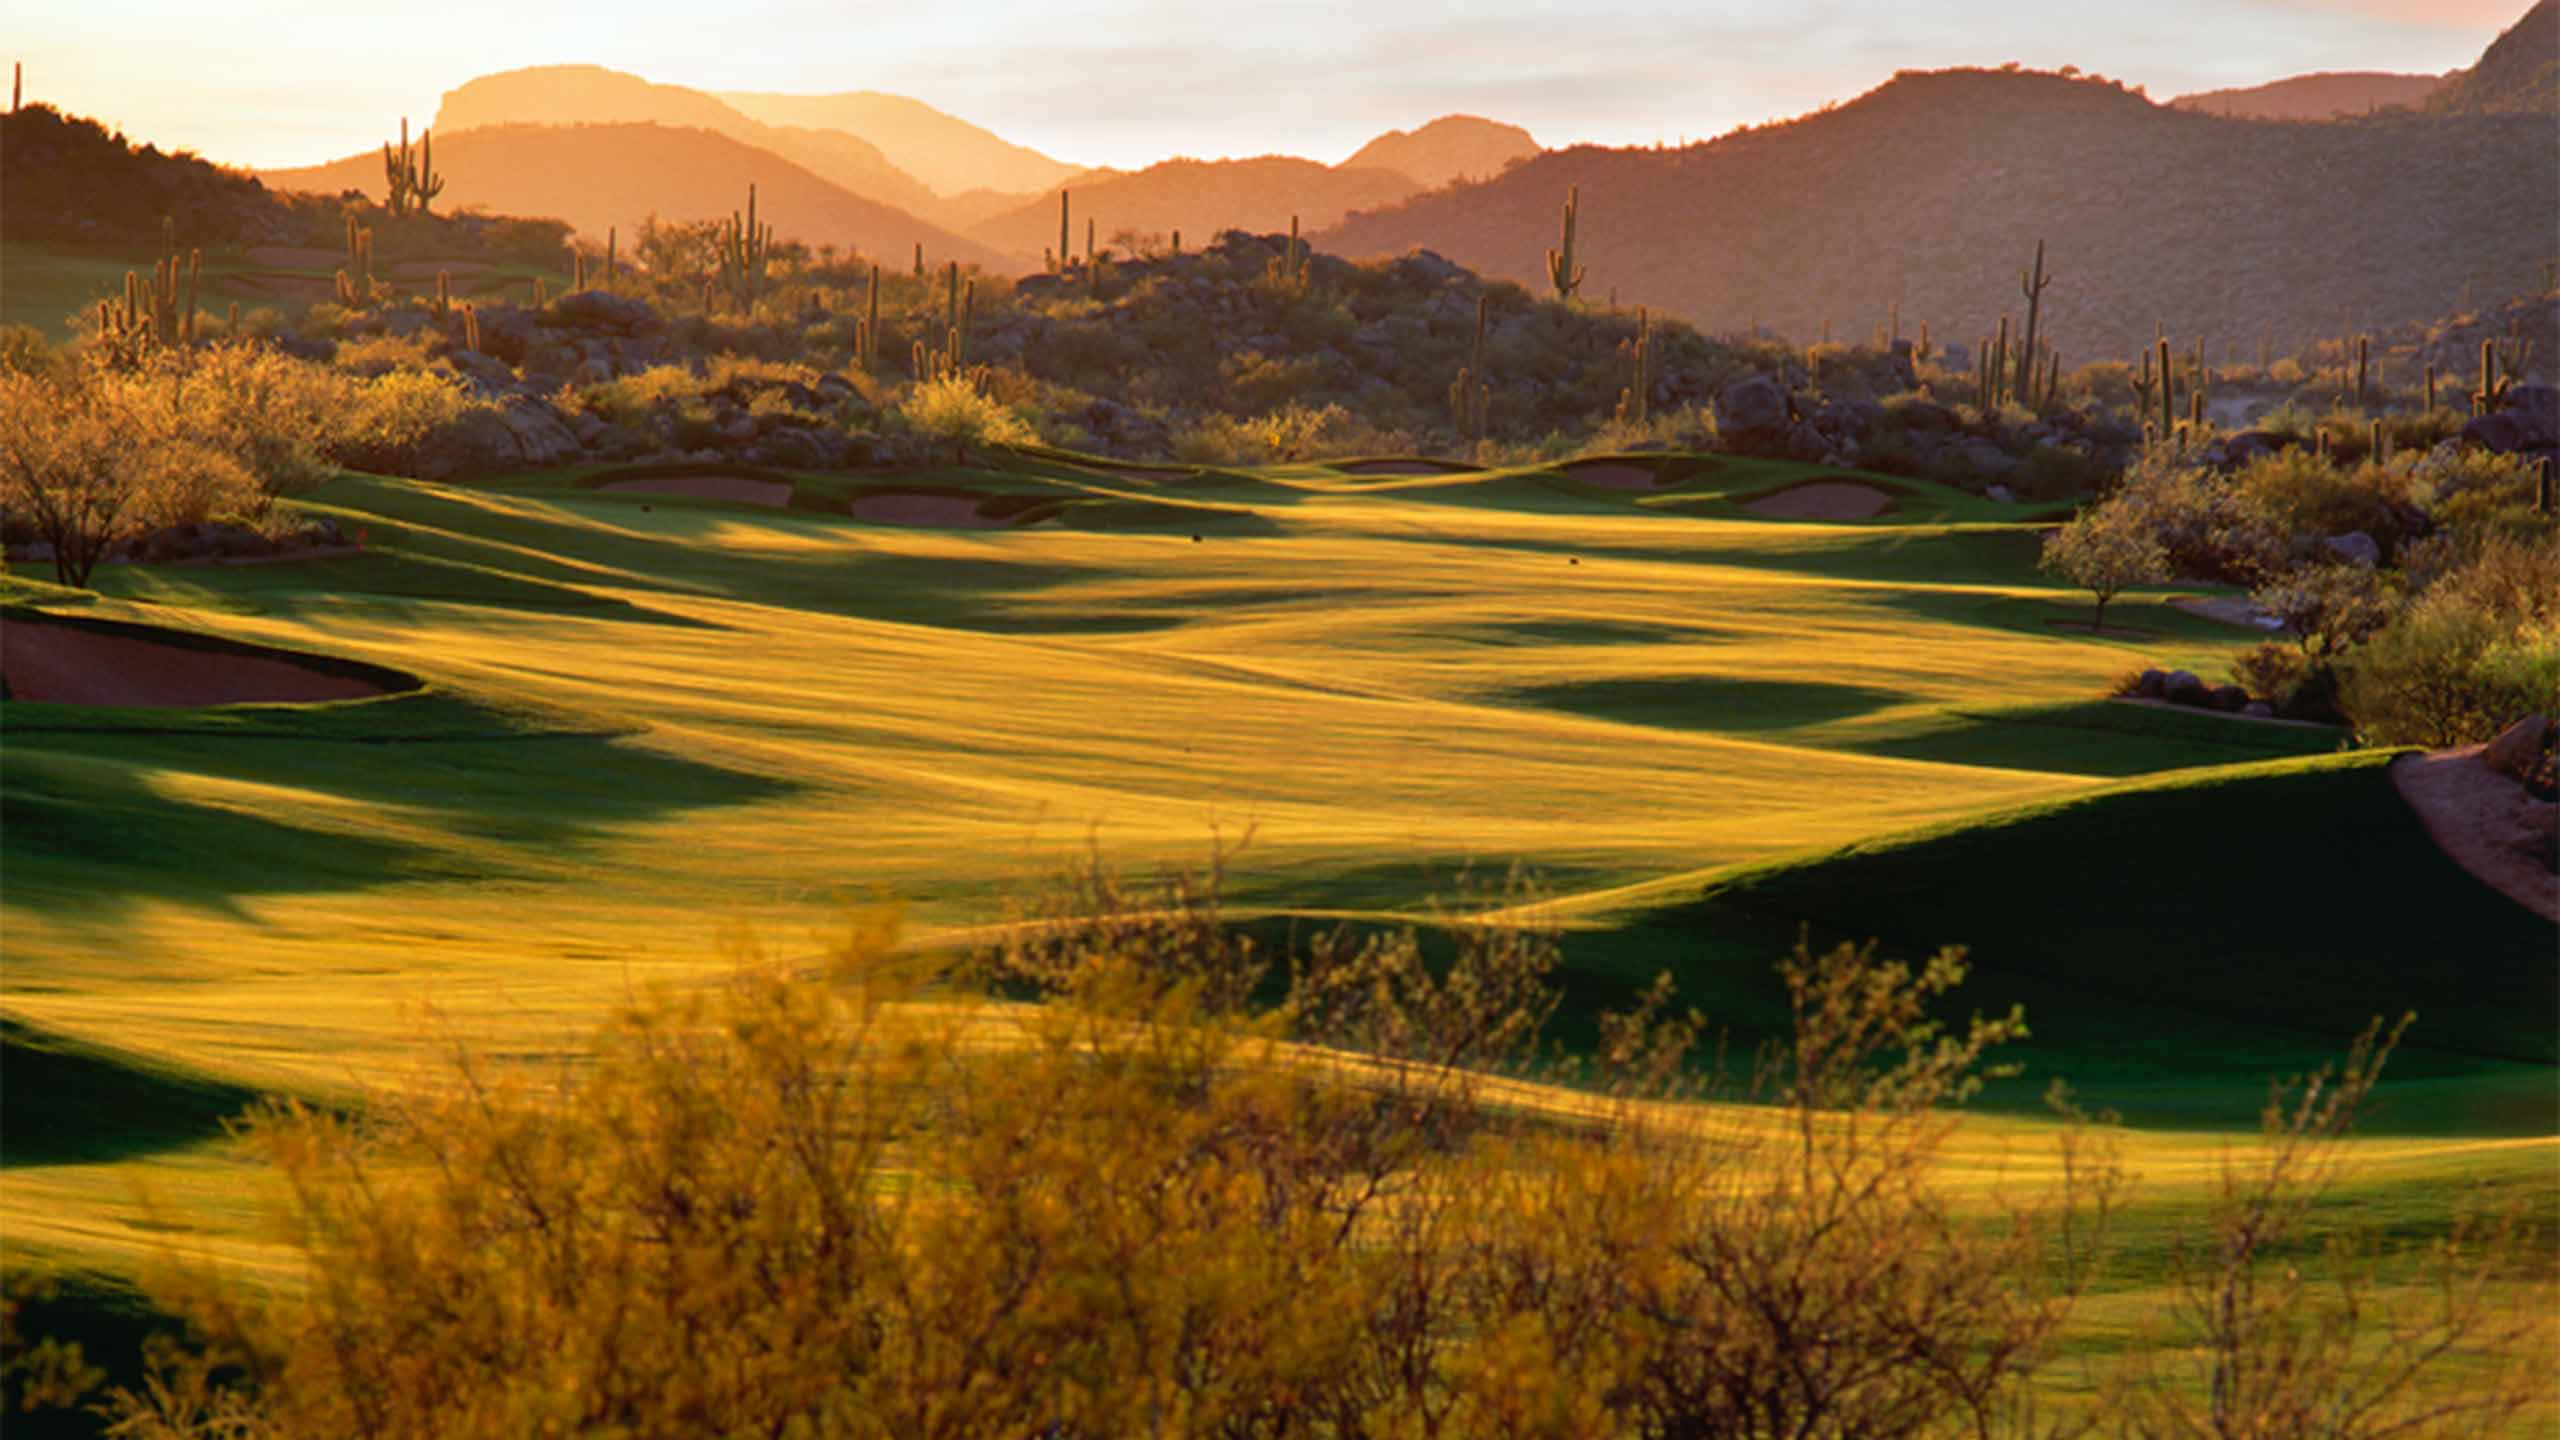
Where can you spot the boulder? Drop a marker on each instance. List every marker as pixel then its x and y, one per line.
pixel 2536 409
pixel 2001 493
pixel 2518 748
pixel 2249 445
pixel 2503 432
pixel 1806 443
pixel 2258 710
pixel 541 436
pixel 2153 684
pixel 1982 457
pixel 2230 699
pixel 1428 268
pixel 793 449
pixel 2355 547
pixel 1928 416
pixel 2182 687
pixel 597 310
pixel 474 442
pixel 1751 415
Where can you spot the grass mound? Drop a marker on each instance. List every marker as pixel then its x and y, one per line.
pixel 2175 941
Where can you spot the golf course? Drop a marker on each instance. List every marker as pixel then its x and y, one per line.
pixel 613 734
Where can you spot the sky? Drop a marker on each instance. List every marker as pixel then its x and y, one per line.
pixel 1129 82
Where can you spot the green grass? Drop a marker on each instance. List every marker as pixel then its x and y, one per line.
pixel 652 727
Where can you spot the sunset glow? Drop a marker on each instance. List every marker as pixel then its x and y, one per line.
pixel 1135 81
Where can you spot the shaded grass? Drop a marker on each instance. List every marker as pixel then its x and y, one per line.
pixel 2174 941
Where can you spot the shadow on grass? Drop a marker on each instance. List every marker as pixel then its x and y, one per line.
pixel 2175 943
pixel 63 1102
pixel 91 831
pixel 1719 704
pixel 2095 737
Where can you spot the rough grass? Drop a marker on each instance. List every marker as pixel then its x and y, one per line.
pixel 651 726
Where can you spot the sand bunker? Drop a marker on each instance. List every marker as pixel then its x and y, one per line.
pixel 946 512
pixel 1616 476
pixel 1413 466
pixel 735 488
pixel 2484 820
pixel 98 663
pixel 1823 500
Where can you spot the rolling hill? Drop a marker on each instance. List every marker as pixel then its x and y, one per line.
pixel 596 176
pixel 1199 198
pixel 593 95
pixel 2324 96
pixel 2518 74
pixel 1453 147
pixel 1931 192
pixel 948 154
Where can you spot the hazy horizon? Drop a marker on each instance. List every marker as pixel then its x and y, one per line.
pixel 1143 81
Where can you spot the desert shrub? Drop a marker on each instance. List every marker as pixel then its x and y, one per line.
pixel 632 399
pixel 268 411
pixel 2278 1348
pixel 2473 650
pixel 1257 381
pixel 372 355
pixel 2056 472
pixel 25 351
pixel 807 1204
pixel 2304 495
pixel 959 414
pixel 2210 528
pixel 385 418
pixel 2329 606
pixel 2469 492
pixel 2297 685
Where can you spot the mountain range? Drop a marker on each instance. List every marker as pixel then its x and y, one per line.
pixel 614 175
pixel 2223 214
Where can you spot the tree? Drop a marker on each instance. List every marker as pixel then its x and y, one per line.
pixel 69 467
pixel 2104 549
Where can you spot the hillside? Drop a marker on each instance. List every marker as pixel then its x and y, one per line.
pixel 1453 147
pixel 1199 198
pixel 1932 190
pixel 2518 74
pixel 593 95
pixel 68 178
pixel 596 176
pixel 2324 96
pixel 948 154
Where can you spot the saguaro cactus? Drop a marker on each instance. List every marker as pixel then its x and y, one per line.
pixel 1635 403
pixel 410 177
pixel 1062 230
pixel 2031 283
pixel 2168 393
pixel 745 246
pixel 1561 269
pixel 1471 395
pixel 1288 269
pixel 2363 350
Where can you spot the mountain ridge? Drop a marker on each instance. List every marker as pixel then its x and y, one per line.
pixel 1931 191
pixel 595 176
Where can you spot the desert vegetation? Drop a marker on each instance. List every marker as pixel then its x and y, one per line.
pixel 1197 1188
